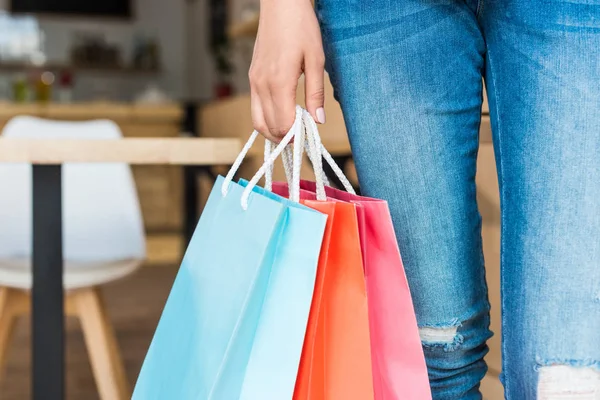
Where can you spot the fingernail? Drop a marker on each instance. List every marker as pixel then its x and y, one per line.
pixel 320 115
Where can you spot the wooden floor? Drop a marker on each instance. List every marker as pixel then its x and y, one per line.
pixel 134 304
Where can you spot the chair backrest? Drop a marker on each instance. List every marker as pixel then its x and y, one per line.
pixel 102 219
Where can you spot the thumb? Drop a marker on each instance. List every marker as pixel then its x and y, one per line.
pixel 314 71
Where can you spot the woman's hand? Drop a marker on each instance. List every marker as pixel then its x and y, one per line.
pixel 288 43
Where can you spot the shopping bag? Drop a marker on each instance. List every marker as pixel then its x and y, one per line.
pixel 399 369
pixel 247 274
pixel 336 358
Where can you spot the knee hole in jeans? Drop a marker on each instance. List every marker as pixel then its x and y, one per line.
pixel 446 337
pixel 568 382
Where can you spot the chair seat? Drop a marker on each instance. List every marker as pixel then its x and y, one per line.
pixel 16 273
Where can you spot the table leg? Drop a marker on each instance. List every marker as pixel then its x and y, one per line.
pixel 47 291
pixel 191 203
pixel 192 198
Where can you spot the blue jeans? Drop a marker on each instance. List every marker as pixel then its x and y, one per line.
pixel 408 75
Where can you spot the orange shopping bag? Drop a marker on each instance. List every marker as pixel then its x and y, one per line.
pixel 336 357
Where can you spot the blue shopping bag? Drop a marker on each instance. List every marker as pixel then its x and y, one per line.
pixel 233 326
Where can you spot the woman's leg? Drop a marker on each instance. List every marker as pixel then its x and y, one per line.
pixel 543 78
pixel 408 76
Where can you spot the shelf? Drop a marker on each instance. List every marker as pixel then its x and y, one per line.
pixel 23 66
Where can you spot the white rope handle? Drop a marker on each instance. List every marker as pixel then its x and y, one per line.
pixel 297 160
pixel 287 160
pixel 269 172
pixel 337 171
pixel 315 154
pixel 238 161
pixel 287 157
pixel 292 162
pixel 295 132
pixel 312 135
pixel 313 130
pixel 269 161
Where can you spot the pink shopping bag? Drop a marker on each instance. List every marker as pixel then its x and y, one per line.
pixel 398 363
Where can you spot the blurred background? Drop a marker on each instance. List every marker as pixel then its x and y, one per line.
pixel 157 68
pixel 116 50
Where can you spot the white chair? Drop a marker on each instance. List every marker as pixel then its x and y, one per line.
pixel 103 240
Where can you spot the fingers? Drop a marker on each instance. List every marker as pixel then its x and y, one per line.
pixel 258 118
pixel 281 110
pixel 314 70
pixel 288 43
pixel 273 103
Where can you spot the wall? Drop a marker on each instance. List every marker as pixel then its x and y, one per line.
pixel 241 10
pixel 166 19
pixel 200 71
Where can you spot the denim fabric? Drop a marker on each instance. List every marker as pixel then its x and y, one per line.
pixel 408 75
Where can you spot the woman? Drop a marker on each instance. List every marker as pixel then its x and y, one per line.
pixel 408 75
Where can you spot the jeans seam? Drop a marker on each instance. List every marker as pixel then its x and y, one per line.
pixel 482 264
pixel 502 221
pixel 479 8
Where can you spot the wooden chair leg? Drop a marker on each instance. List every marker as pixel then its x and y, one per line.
pixel 101 343
pixel 7 323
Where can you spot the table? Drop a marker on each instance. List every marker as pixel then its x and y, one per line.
pixel 47 156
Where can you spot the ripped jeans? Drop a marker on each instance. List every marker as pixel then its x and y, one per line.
pixel 408 75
